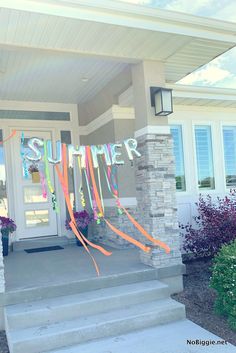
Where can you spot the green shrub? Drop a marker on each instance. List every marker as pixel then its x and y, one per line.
pixel 224 282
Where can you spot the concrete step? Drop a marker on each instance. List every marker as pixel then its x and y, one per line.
pixel 168 338
pixel 81 286
pixel 69 307
pixel 25 244
pixel 85 328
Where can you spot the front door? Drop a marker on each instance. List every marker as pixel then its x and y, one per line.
pixel 34 213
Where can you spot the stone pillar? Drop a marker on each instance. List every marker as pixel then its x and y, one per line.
pixel 155 170
pixel 2 279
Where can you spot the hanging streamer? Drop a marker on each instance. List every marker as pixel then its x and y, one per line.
pixel 43 184
pixel 82 198
pixel 98 201
pixel 78 234
pixel 50 187
pixel 22 153
pixel 112 189
pixel 9 137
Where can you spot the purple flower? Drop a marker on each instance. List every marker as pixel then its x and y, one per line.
pixel 7 224
pixel 82 220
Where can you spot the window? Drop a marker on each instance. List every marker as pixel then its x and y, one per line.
pixel 204 156
pixel 3 191
pixel 31 115
pixel 176 132
pixel 229 139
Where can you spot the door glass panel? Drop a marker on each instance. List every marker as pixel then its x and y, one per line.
pixel 30 164
pixel 33 194
pixel 37 218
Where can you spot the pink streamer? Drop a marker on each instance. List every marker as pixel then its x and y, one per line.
pixel 43 183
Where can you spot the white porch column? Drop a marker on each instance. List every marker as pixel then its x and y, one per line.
pixel 155 170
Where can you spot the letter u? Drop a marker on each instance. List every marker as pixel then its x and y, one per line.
pixel 58 152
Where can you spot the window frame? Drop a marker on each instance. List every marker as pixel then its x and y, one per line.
pixel 181 128
pixel 222 125
pixel 211 126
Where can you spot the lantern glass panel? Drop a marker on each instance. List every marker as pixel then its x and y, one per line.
pixel 166 101
pixel 158 102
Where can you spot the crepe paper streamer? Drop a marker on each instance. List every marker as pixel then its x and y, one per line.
pixel 134 222
pixel 95 191
pixel 100 188
pixel 98 201
pixel 82 198
pixel 64 164
pixel 43 184
pixel 128 238
pixel 54 203
pixel 47 172
pixel 88 188
pixel 113 187
pixel 25 169
pixel 72 223
pixel 9 137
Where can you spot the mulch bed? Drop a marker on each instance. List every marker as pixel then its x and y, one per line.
pixel 199 300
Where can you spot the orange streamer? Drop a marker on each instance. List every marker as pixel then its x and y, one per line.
pixel 96 194
pixel 98 201
pixel 145 233
pixel 64 163
pixel 78 234
pixel 9 137
pixel 127 237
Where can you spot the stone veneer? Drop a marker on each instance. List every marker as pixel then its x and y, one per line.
pixel 2 279
pixel 104 235
pixel 156 210
pixel 156 197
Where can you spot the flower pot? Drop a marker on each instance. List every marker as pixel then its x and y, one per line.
pixel 35 177
pixel 5 241
pixel 84 231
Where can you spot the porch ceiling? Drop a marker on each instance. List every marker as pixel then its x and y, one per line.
pixel 47 47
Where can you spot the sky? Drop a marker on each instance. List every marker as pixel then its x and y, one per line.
pixel 220 72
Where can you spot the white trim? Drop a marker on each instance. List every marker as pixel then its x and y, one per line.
pixel 114 113
pixel 201 95
pixel 153 129
pixel 123 14
pixel 125 201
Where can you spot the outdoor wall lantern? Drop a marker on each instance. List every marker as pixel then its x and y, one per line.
pixel 161 100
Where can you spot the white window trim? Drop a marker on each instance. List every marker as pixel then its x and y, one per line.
pixel 222 124
pixel 211 125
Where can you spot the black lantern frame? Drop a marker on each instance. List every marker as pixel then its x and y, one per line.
pixel 161 91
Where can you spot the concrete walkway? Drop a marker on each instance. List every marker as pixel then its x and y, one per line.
pixel 170 338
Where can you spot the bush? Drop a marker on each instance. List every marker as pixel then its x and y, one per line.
pixel 224 282
pixel 215 225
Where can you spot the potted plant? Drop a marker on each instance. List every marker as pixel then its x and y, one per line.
pixel 82 220
pixel 7 226
pixel 34 171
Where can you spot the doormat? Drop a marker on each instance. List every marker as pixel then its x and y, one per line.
pixel 46 248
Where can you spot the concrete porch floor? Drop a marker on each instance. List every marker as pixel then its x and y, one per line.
pixel 25 271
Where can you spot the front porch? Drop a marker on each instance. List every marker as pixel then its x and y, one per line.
pixel 71 268
pixel 72 264
pixel 55 299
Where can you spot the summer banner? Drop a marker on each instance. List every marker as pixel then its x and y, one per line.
pixel 94 162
